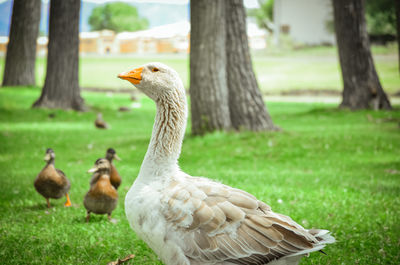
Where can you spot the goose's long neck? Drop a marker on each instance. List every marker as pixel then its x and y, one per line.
pixel 168 132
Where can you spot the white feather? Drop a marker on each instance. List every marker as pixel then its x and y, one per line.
pixel 193 220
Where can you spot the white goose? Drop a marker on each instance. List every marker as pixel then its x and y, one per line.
pixel 194 220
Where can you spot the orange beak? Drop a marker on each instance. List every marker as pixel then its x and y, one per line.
pixel 134 76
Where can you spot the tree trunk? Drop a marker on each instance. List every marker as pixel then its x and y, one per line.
pixel 61 88
pixel 208 87
pixel 362 88
pixel 19 69
pixel 246 105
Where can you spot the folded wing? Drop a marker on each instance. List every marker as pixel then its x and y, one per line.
pixel 220 223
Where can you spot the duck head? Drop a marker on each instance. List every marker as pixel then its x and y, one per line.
pixel 156 80
pixel 50 155
pixel 101 165
pixel 111 154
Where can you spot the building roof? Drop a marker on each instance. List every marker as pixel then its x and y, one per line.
pixel 179 29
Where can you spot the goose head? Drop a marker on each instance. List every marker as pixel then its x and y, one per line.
pixel 50 155
pixel 156 80
pixel 101 165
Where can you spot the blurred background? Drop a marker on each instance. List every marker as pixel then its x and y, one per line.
pixel 292 42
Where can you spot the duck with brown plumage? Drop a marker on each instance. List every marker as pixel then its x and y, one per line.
pixel 102 197
pixel 52 182
pixel 115 177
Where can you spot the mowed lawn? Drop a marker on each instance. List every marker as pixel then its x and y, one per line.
pixel 327 168
pixel 315 68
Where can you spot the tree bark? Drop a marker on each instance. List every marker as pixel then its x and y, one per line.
pixel 246 105
pixel 208 87
pixel 397 5
pixel 61 88
pixel 19 69
pixel 362 88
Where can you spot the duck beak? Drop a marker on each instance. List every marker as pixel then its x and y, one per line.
pixel 47 157
pixel 117 157
pixel 92 170
pixel 134 76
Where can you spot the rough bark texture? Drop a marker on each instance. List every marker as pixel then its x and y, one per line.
pixel 362 88
pixel 19 69
pixel 61 88
pixel 246 105
pixel 208 87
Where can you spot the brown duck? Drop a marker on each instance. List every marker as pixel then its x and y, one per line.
pixel 115 178
pixel 52 182
pixel 102 197
pixel 114 175
pixel 100 123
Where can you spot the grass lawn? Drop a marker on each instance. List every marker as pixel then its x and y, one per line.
pixel 328 168
pixel 313 68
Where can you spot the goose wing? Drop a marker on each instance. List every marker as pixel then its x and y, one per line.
pixel 220 223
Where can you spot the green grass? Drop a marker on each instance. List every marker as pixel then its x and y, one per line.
pixel 277 70
pixel 328 168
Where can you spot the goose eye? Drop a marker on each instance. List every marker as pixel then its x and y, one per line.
pixel 155 69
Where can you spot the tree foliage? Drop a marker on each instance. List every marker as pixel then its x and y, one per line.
pixel 117 17
pixel 381 17
pixel 264 15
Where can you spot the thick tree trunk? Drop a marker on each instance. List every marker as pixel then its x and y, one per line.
pixel 208 88
pixel 61 88
pixel 362 88
pixel 246 105
pixel 19 69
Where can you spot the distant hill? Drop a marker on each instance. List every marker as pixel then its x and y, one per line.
pixel 156 13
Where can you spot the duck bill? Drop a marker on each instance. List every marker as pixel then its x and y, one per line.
pixel 47 157
pixel 92 170
pixel 117 157
pixel 134 76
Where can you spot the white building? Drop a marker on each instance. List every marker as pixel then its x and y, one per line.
pixel 167 38
pixel 305 21
pixel 257 37
pixel 171 38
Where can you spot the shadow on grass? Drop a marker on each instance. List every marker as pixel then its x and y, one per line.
pixel 321 111
pixel 94 219
pixel 40 206
pixel 338 110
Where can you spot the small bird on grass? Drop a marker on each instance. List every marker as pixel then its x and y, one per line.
pixel 52 182
pixel 115 178
pixel 134 97
pixel 124 109
pixel 100 123
pixel 102 197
